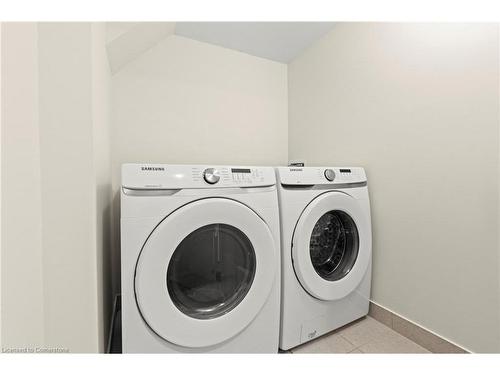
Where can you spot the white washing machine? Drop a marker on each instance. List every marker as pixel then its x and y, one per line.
pixel 200 259
pixel 326 250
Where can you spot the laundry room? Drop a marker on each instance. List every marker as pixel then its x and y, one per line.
pixel 229 186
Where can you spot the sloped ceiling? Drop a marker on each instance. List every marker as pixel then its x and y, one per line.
pixel 278 41
pixel 128 40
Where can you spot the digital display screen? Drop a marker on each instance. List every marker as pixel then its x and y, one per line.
pixel 345 171
pixel 240 170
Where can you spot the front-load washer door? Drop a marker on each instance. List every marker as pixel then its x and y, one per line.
pixel 331 246
pixel 205 272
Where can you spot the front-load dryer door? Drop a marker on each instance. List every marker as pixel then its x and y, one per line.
pixel 331 246
pixel 205 272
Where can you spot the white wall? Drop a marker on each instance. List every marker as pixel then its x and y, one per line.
pixel 418 106
pixel 0 185
pixel 22 291
pixel 55 174
pixel 185 101
pixel 101 92
pixel 67 189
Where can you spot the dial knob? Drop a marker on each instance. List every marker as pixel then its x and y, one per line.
pixel 211 175
pixel 329 174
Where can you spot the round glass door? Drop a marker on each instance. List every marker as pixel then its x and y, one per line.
pixel 205 272
pixel 211 271
pixel 331 245
pixel 334 245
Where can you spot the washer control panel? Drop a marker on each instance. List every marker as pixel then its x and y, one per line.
pixel 321 175
pixel 247 175
pixel 165 176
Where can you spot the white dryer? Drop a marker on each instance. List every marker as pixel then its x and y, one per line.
pixel 326 250
pixel 200 262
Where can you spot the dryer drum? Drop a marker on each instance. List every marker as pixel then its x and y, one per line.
pixel 334 245
pixel 211 271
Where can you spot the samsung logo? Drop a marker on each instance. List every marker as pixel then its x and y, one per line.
pixel 152 168
pixel 295 169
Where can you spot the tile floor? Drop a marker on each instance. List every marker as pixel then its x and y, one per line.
pixel 363 336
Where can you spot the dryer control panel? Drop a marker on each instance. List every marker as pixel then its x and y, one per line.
pixel 321 175
pixel 167 176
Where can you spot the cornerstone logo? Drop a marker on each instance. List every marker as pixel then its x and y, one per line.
pixel 30 350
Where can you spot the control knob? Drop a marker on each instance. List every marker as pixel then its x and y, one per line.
pixel 211 175
pixel 329 174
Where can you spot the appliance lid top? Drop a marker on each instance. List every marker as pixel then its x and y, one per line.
pixel 167 176
pixel 301 176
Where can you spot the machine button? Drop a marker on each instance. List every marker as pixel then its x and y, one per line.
pixel 329 174
pixel 211 175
